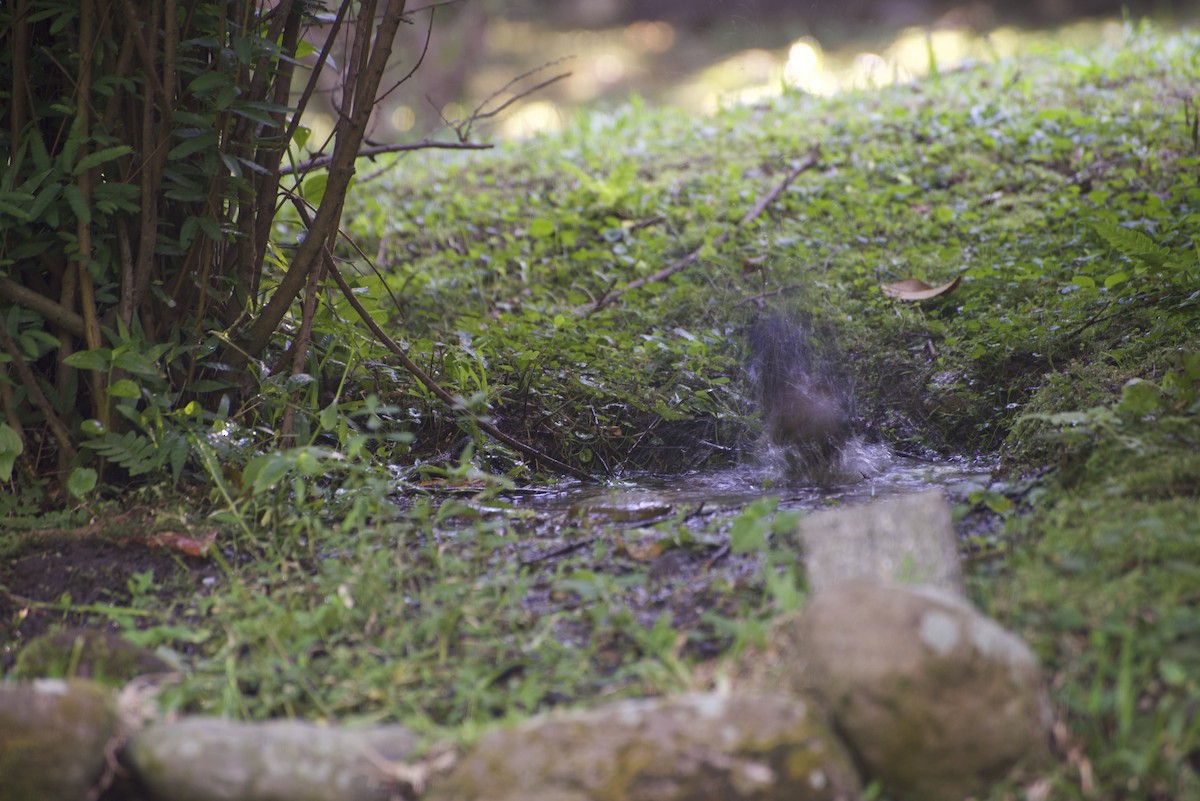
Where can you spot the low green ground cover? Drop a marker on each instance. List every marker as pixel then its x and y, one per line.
pixel 1061 190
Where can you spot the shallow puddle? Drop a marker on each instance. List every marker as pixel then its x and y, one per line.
pixel 643 499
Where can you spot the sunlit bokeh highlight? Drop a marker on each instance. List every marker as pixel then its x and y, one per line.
pixel 403 119
pixel 669 66
pixel 611 64
pixel 532 118
pixel 650 36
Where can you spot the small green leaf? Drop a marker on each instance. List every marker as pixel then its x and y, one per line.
pixel 264 472
pixel 209 81
pixel 78 205
pixel 1140 398
pixel 14 211
pixel 329 416
pixel 541 228
pixel 43 199
pixel 81 481
pixel 786 522
pixel 1132 244
pixel 97 359
pixel 124 389
pixel 99 157
pixel 747 535
pixel 193 144
pixel 313 188
pixel 136 363
pixel 10 448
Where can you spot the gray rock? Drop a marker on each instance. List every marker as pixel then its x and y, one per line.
pixel 906 540
pixel 706 746
pixel 52 739
pixel 937 700
pixel 88 653
pixel 207 759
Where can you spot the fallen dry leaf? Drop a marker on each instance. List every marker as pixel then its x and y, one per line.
pixel 195 544
pixel 642 550
pixel 916 289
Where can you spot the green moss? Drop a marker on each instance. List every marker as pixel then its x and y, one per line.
pixel 85 653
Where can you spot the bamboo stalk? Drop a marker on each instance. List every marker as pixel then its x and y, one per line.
pixel 83 227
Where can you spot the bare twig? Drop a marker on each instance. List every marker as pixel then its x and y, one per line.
pixel 561 550
pixel 430 6
pixel 424 377
pixel 54 312
pixel 315 76
pixel 366 152
pixel 39 398
pixel 373 46
pixel 810 161
pixel 299 349
pixel 420 59
pixel 464 128
pixel 437 389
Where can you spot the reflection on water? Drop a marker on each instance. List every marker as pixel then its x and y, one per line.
pixel 763 477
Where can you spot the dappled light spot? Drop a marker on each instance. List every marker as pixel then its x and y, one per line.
pixel 506 36
pixel 403 118
pixel 608 68
pixel 921 52
pixel 805 69
pixel 539 116
pixel 650 36
pixel 646 57
pixel 321 126
pixel 872 71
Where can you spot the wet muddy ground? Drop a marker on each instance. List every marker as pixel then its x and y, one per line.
pixel 87 575
pixel 664 541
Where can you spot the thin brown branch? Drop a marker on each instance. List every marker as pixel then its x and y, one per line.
pixel 19 99
pixel 344 235
pixel 438 390
pixel 517 79
pixel 420 59
pixel 464 128
pixel 54 312
pixel 431 6
pixel 810 161
pixel 520 96
pixel 374 52
pixel 376 150
pixel 133 22
pixel 83 227
pixel 322 59
pixel 39 398
pixel 299 348
pixel 357 65
pixel 427 380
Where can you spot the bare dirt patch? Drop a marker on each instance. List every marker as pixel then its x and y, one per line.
pixel 76 576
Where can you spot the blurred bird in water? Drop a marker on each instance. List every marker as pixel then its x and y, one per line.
pixel 806 407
